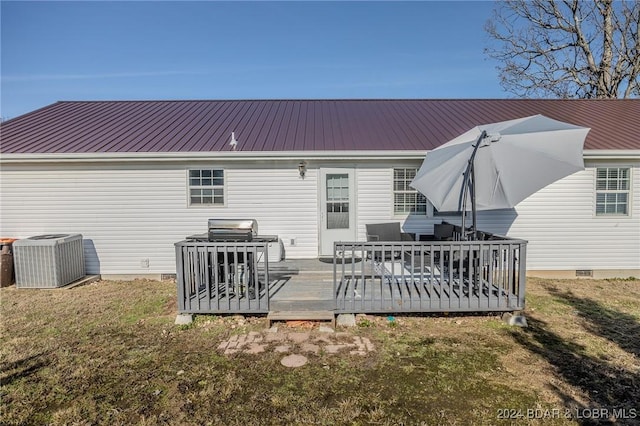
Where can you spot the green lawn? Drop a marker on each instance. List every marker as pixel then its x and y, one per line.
pixel 108 353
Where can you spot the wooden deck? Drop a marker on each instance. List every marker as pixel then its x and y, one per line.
pixel 301 285
pixel 380 295
pixel 354 281
pixel 391 286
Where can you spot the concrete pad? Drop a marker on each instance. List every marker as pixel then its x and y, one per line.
pixel 310 347
pixel 368 345
pixel 323 338
pixel 297 337
pixel 183 319
pixel 514 319
pixel 346 320
pixel 255 348
pixel 282 348
pixel 357 341
pixel 275 337
pixel 294 360
pixel 87 279
pixel 334 349
pixel 518 321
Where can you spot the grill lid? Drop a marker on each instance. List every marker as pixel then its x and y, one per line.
pixel 247 225
pixel 232 229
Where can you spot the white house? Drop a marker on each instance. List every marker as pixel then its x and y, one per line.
pixel 136 177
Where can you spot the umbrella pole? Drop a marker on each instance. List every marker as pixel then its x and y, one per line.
pixel 464 208
pixel 473 203
pixel 469 184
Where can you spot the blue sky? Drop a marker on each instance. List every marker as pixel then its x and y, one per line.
pixel 55 51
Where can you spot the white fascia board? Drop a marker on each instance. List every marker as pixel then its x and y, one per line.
pixel 208 156
pixel 611 154
pixel 593 154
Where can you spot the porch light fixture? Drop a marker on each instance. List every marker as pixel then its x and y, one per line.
pixel 302 169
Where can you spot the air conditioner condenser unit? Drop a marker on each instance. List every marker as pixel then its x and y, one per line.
pixel 48 261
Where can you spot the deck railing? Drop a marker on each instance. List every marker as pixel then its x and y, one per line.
pixel 368 277
pixel 222 277
pixel 430 276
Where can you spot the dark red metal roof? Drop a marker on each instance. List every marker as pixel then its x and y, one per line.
pixel 297 125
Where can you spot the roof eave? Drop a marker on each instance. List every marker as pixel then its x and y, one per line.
pixel 209 156
pixel 589 154
pixel 611 154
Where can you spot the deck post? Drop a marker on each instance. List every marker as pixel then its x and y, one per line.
pixel 522 280
pixel 180 283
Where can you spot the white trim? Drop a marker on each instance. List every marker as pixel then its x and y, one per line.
pixel 209 156
pixel 611 154
pixel 589 154
pixel 403 216
pixel 629 192
pixel 327 235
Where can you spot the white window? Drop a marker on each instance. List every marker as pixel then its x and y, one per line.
pixel 612 190
pixel 407 200
pixel 206 187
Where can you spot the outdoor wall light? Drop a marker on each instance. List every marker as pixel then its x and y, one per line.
pixel 302 168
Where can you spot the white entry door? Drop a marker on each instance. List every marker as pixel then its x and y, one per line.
pixel 337 208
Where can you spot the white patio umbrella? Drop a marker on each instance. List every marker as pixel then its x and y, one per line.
pixel 495 166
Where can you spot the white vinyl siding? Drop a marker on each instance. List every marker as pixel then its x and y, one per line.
pixel 374 197
pixel 558 222
pixel 129 212
pixel 376 200
pixel 563 232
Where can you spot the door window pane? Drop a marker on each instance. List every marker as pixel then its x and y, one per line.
pixel 337 201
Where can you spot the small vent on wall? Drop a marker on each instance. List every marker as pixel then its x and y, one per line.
pixel 584 273
pixel 167 277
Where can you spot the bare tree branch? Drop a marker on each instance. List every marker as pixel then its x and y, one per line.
pixel 567 48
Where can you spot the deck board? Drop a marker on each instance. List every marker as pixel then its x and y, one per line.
pixel 307 285
pixel 371 295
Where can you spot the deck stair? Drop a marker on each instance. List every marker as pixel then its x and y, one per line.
pixel 301 316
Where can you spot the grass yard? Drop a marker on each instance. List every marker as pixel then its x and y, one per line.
pixel 108 353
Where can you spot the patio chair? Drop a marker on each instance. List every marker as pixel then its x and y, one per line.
pixel 404 263
pixel 443 231
pixel 384 259
pixel 386 232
